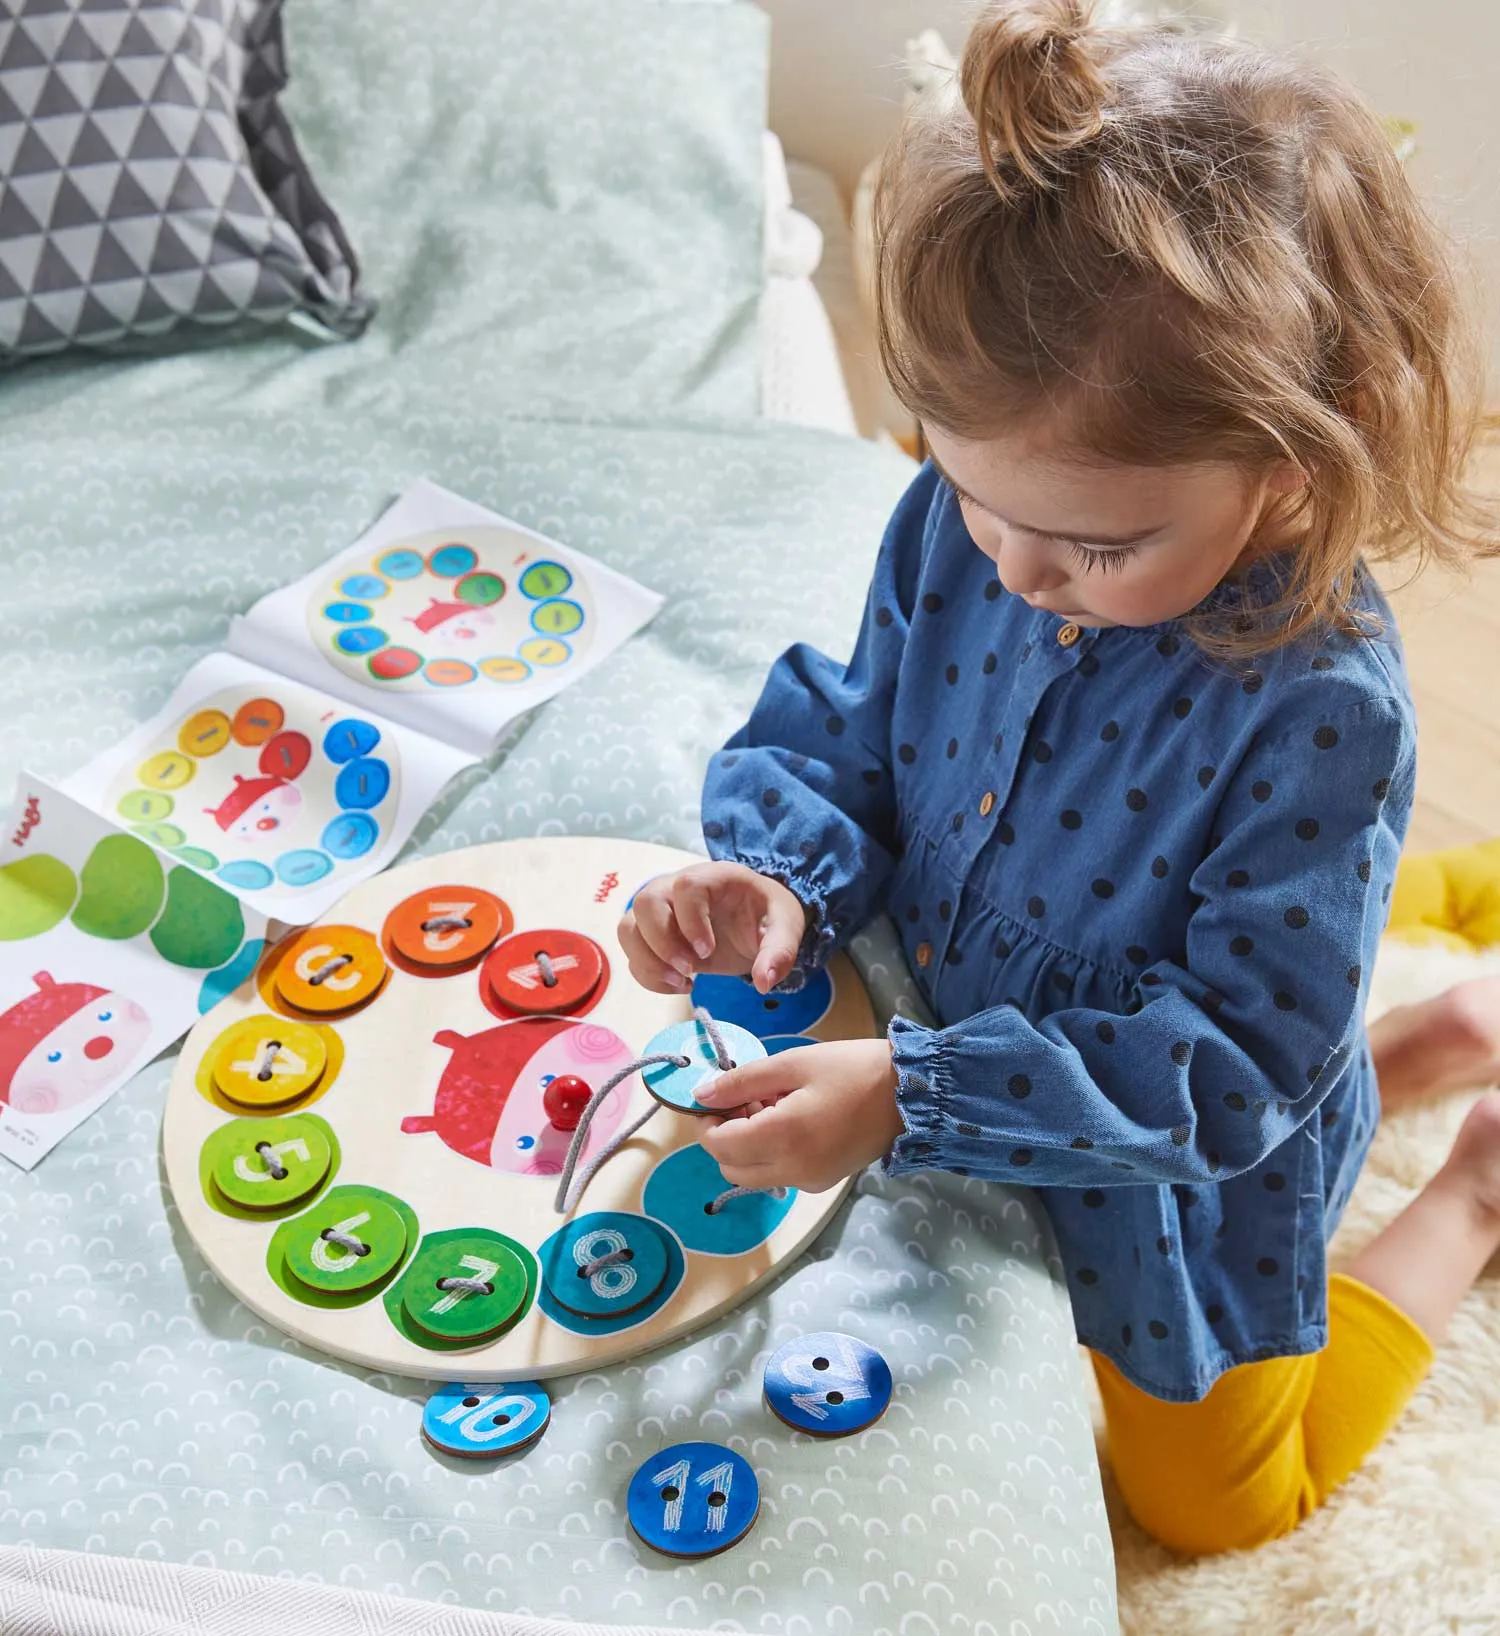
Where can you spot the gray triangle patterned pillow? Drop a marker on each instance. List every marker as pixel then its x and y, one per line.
pixel 149 181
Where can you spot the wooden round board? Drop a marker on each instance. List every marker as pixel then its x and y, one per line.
pixel 361 1142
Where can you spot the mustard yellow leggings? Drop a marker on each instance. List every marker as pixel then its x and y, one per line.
pixel 1272 1440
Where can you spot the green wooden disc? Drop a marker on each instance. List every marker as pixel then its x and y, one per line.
pixel 321 1264
pixel 462 1315
pixel 244 1155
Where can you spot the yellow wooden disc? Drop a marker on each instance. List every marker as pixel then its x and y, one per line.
pixel 204 734
pixel 264 1062
pixel 329 969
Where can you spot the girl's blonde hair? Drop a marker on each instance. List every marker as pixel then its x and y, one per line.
pixel 1184 249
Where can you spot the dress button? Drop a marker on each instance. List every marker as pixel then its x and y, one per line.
pixel 924 955
pixel 1068 635
pixel 987 803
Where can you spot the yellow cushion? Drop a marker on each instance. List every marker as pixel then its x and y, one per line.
pixel 1451 897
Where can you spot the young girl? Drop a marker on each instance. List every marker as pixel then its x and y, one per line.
pixel 1127 750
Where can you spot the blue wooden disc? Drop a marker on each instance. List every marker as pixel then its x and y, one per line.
pixel 617 1287
pixel 737 1000
pixel 679 1191
pixel 484 1422
pixel 827 1384
pixel 693 1500
pixel 675 1086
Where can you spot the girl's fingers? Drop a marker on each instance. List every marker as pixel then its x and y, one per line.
pixel 765 1080
pixel 747 1146
pixel 648 970
pixel 781 934
pixel 693 905
pixel 656 922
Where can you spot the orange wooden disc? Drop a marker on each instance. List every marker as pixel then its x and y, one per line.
pixel 544 971
pixel 445 927
pixel 330 969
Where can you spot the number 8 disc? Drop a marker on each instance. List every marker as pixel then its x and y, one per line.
pixel 445 927
pixel 605 1263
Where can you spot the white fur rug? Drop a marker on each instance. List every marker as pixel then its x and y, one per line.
pixel 1411 1543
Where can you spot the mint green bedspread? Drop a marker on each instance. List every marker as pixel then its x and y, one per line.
pixel 540 352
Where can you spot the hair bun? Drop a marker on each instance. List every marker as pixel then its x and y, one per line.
pixel 1032 86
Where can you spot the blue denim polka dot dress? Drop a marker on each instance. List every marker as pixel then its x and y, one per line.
pixel 1140 891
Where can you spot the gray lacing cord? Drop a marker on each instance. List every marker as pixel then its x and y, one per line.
pixel 566 1197
pixel 265 1063
pixel 446 923
pixel 469 1286
pixel 545 966
pixel 714 1206
pixel 599 1263
pixel 327 969
pixel 561 1202
pixel 273 1165
pixel 346 1241
pixel 722 1058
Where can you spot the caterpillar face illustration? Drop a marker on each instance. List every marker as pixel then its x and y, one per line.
pixel 257 809
pixel 455 623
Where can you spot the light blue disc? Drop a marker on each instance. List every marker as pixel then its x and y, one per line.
pixel 693 1499
pixel 401 564
pixel 682 1187
pixel 350 835
pixel 449 561
pixel 248 874
pixel 346 613
pixel 364 587
pixel 303 867
pixel 616 1287
pixel 360 639
pixel 484 1422
pixel 675 1086
pixel 348 738
pixel 827 1384
pixel 363 784
pixel 735 1000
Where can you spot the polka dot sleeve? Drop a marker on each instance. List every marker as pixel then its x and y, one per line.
pixel 1221 1057
pixel 803 792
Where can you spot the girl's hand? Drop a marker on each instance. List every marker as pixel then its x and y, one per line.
pixel 714 917
pixel 805 1118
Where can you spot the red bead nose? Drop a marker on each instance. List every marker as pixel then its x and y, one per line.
pixel 100 1046
pixel 565 1099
